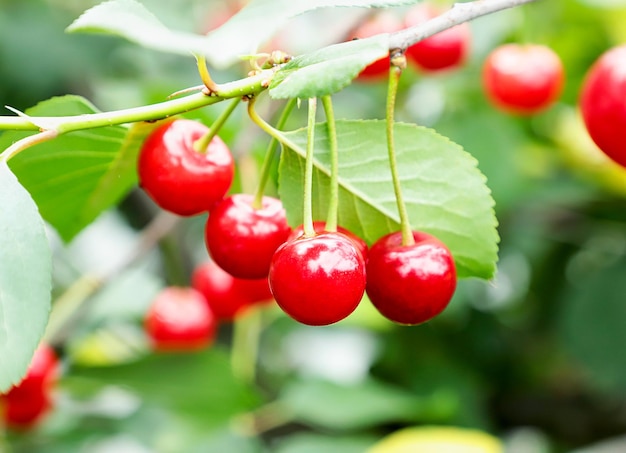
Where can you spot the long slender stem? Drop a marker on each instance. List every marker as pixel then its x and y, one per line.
pixel 405 225
pixel 307 199
pixel 245 346
pixel 202 144
pixel 269 153
pixel 333 197
pixel 27 142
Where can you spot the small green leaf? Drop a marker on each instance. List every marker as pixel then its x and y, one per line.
pixel 327 70
pixel 25 282
pixel 445 193
pixel 76 176
pixel 241 35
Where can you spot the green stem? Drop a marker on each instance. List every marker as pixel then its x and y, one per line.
pixel 405 225
pixel 333 201
pixel 27 142
pixel 269 153
pixel 307 199
pixel 202 144
pixel 245 347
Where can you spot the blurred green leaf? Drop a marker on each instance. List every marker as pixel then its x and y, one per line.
pixel 25 269
pixel 445 193
pixel 327 70
pixel 76 176
pixel 241 35
pixel 316 443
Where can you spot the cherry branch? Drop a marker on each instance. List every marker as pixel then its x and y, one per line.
pixel 458 14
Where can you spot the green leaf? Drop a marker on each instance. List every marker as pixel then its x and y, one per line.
pixel 327 70
pixel 241 35
pixel 315 443
pixel 445 193
pixel 197 385
pixel 351 407
pixel 76 176
pixel 25 282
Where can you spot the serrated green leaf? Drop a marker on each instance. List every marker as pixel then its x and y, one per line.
pixel 25 282
pixel 76 176
pixel 241 35
pixel 446 195
pixel 327 70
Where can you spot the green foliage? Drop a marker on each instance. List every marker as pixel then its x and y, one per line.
pixel 451 202
pixel 78 175
pixel 24 278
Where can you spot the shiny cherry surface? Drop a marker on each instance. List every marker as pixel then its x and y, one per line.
pixel 523 78
pixel 410 284
pixel 320 227
pixel 445 50
pixel 318 280
pixel 177 177
pixel 603 103
pixel 242 239
pixel 226 295
pixel 180 319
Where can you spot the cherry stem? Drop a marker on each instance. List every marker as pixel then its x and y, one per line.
pixel 333 197
pixel 394 77
pixel 307 199
pixel 266 167
pixel 202 144
pixel 205 76
pixel 245 346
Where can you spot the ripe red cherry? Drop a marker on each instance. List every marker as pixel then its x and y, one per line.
pixel 320 227
pixel 383 22
pixel 241 239
pixel 410 284
pixel 226 295
pixel 445 50
pixel 180 319
pixel 25 403
pixel 603 103
pixel 318 280
pixel 176 176
pixel 523 78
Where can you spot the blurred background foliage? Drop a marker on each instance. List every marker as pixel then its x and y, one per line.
pixel 534 357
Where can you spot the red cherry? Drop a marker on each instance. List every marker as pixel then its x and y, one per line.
pixel 228 296
pixel 445 50
pixel 180 319
pixel 242 239
pixel 383 22
pixel 177 177
pixel 25 403
pixel 410 284
pixel 320 227
pixel 318 280
pixel 603 103
pixel 523 78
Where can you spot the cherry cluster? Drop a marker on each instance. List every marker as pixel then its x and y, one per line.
pixel 27 402
pixel 317 279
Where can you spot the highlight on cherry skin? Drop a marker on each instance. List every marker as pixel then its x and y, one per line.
pixel 26 403
pixel 179 178
pixel 242 239
pixel 227 296
pixel 179 319
pixel 445 50
pixel 318 280
pixel 523 79
pixel 603 103
pixel 319 226
pixel 410 284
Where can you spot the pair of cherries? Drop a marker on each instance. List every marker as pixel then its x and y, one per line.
pixel 317 280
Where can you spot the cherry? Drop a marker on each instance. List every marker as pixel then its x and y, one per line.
pixel 410 284
pixel 445 50
pixel 180 319
pixel 176 176
pixel 28 401
pixel 228 296
pixel 318 280
pixel 383 22
pixel 523 78
pixel 242 239
pixel 603 103
pixel 320 227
